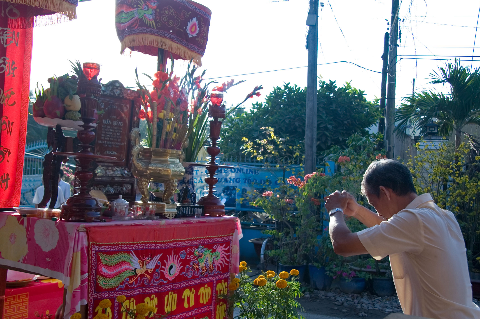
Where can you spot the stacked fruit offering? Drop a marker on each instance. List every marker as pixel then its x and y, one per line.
pixel 59 100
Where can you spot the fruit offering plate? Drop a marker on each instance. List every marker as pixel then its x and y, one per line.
pixel 65 124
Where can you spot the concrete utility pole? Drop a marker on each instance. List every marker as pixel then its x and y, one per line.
pixel 392 70
pixel 311 109
pixel 383 93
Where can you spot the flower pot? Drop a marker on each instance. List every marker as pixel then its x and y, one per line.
pixel 354 286
pixel 475 288
pixel 301 269
pixel 317 277
pixel 383 286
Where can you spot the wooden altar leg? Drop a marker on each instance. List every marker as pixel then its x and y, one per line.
pixel 3 284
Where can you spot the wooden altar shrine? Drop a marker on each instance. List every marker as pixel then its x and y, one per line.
pixel 117 115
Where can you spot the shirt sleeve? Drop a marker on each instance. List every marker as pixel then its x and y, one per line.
pixel 67 192
pixel 403 232
pixel 36 198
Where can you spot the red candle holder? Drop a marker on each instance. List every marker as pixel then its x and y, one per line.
pixel 213 206
pixel 91 69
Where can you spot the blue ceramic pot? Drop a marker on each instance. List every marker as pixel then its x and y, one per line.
pixel 354 286
pixel 301 270
pixel 383 286
pixel 317 277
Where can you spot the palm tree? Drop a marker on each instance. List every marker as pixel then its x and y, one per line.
pixel 450 111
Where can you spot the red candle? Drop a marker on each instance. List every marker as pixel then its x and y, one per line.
pixel 216 98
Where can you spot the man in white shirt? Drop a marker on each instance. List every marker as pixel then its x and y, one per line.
pixel 40 191
pixel 64 186
pixel 425 244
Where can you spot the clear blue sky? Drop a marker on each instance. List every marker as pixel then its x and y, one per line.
pixel 253 37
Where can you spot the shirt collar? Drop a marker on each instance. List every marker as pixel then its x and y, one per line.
pixel 419 200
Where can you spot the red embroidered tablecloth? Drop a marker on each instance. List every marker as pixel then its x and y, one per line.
pixel 155 249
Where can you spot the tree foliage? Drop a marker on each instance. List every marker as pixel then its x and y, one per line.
pixel 341 112
pixel 450 111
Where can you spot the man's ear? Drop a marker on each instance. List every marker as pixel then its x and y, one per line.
pixel 386 192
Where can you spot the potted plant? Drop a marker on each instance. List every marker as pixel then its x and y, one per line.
pixel 292 236
pixel 382 279
pixel 270 295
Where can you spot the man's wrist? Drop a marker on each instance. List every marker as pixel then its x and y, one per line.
pixel 335 211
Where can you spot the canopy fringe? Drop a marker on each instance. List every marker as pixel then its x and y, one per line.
pixel 133 41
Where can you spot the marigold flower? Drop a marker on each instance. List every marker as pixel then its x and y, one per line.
pixel 121 298
pixel 262 282
pixel 281 283
pixel 142 308
pixel 243 263
pixel 140 317
pixel 236 280
pixel 101 316
pixel 76 316
pixel 284 275
pixel 255 282
pixel 271 273
pixel 261 276
pixel 241 268
pixel 294 272
pixel 105 303
pixel 233 286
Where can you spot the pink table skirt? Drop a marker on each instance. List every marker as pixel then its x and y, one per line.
pixel 60 249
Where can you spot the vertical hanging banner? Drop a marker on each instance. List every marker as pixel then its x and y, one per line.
pixel 177 26
pixel 17 19
pixel 15 57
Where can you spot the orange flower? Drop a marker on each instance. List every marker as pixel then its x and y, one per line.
pixel 262 282
pixel 294 272
pixel 281 284
pixel 284 275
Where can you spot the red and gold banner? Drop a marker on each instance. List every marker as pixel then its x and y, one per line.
pixel 17 19
pixel 16 30
pixel 181 270
pixel 178 26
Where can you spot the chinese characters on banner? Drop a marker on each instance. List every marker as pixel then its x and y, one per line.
pixel 16 30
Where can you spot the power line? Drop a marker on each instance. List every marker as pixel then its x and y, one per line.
pixel 476 28
pixel 442 24
pixel 292 68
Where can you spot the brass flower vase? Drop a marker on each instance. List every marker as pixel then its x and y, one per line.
pixel 159 165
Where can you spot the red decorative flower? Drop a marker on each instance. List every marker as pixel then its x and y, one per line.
pixel 342 159
pixel 267 194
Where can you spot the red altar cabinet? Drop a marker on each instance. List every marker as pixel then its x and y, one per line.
pixel 180 266
pixel 34 299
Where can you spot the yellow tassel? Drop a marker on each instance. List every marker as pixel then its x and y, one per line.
pixel 161 43
pixel 58 6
